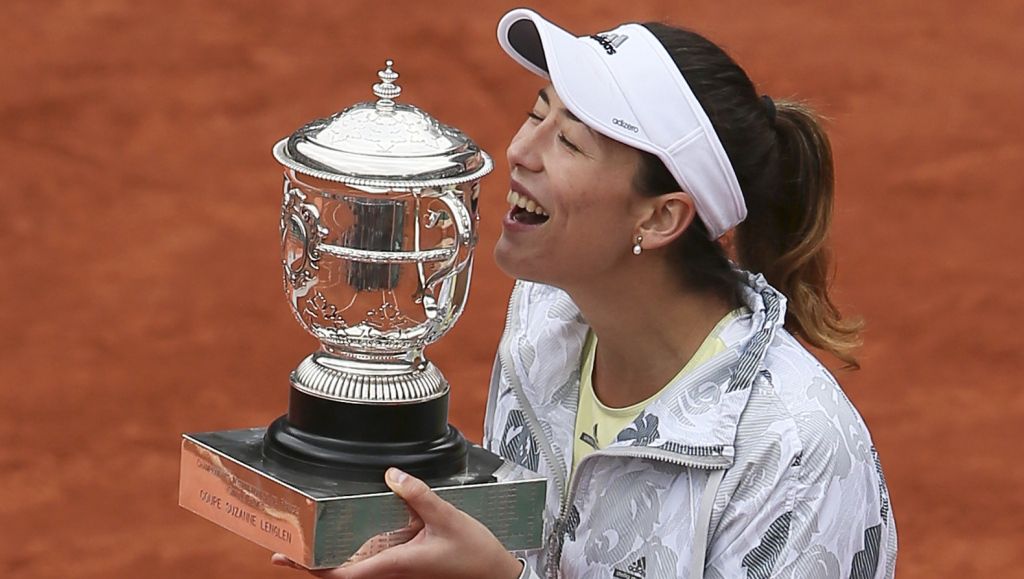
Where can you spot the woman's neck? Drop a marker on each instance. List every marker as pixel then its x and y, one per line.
pixel 648 328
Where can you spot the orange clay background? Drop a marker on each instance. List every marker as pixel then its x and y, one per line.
pixel 141 292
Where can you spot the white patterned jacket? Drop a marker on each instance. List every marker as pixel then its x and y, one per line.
pixel 754 465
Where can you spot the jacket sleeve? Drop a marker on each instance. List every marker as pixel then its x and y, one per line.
pixel 821 511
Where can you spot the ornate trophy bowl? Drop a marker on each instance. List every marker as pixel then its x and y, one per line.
pixel 378 226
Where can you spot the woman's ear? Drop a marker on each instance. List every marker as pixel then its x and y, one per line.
pixel 668 216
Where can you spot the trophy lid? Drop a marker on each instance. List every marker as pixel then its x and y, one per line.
pixel 384 145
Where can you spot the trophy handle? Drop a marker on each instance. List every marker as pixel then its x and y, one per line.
pixel 455 263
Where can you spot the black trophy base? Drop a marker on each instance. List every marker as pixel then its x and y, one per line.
pixel 359 442
pixel 361 460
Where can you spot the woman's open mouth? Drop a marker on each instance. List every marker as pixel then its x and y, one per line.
pixel 525 210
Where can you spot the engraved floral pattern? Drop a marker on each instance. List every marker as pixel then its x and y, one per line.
pixel 320 312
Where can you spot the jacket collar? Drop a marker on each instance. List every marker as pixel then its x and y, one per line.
pixel 694 418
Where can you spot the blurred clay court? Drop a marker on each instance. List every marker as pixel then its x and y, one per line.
pixel 141 293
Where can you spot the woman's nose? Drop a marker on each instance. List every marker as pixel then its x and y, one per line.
pixel 523 152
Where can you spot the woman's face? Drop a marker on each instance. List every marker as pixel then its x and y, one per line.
pixel 582 210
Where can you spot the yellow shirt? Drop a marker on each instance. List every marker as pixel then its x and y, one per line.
pixel 597 425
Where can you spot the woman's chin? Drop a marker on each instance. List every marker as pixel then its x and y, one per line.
pixel 504 257
pixel 513 262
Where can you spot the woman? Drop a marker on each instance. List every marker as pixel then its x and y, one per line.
pixel 683 430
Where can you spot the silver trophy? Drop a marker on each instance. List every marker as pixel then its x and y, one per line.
pixel 378 227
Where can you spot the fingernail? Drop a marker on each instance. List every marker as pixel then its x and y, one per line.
pixel 279 559
pixel 396 476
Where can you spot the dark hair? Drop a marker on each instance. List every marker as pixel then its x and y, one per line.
pixel 783 162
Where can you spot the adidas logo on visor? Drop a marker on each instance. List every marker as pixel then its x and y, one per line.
pixel 610 41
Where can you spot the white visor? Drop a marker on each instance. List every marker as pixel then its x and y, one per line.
pixel 624 85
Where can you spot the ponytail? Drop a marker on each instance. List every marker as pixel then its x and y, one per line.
pixel 783 162
pixel 785 235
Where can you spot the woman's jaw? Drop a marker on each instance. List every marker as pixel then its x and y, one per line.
pixel 525 219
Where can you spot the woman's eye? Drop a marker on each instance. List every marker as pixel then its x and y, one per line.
pixel 561 136
pixel 568 143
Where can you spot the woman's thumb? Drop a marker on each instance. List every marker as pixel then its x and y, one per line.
pixel 430 507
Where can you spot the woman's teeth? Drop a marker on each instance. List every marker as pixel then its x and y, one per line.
pixel 517 200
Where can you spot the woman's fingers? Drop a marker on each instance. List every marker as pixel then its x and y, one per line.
pixel 282 561
pixel 389 563
pixel 434 510
pixel 428 510
pixel 381 566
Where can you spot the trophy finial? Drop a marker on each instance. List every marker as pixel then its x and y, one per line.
pixel 386 90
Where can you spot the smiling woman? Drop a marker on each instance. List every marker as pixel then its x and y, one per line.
pixel 582 181
pixel 668 227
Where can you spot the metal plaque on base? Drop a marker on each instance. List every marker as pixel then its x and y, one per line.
pixel 323 522
pixel 378 227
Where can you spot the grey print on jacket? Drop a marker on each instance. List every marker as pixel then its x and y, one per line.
pixel 753 465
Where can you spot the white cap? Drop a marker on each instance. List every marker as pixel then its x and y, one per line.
pixel 624 85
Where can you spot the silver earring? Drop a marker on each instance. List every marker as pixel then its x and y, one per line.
pixel 636 246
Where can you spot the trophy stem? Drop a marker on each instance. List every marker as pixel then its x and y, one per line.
pixel 369 379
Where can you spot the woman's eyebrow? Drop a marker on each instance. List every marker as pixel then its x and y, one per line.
pixel 543 95
pixel 573 117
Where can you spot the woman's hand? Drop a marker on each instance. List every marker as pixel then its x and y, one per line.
pixel 450 544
